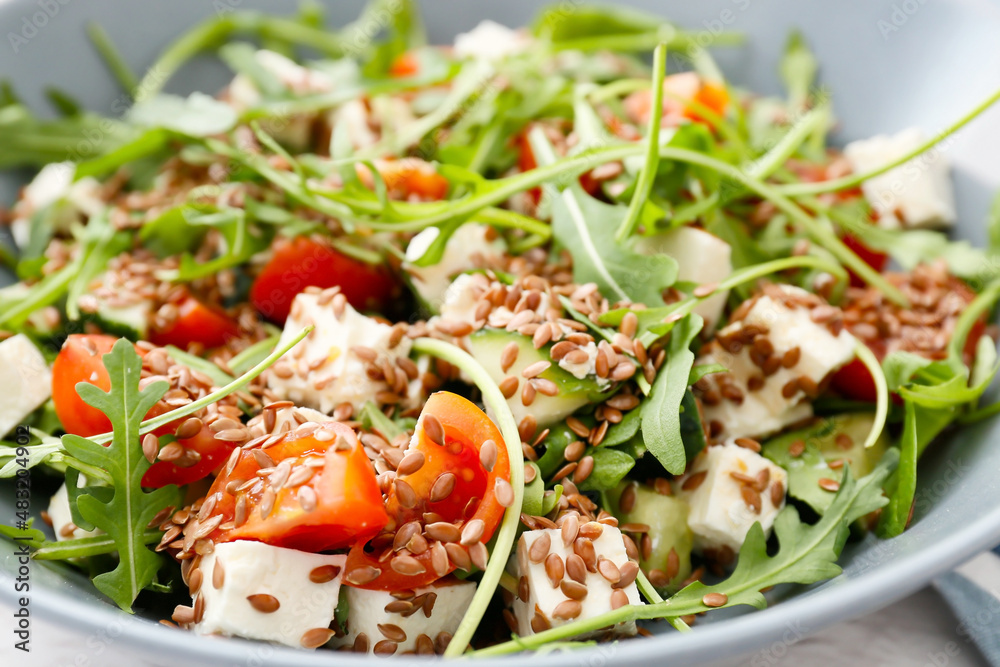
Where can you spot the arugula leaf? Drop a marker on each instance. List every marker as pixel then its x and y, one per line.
pixel 623 431
pixel 798 69
pixel 197 115
pixel 534 493
pixel 374 419
pixel 610 467
pixel 692 428
pixel 903 486
pixel 586 227
pixel 661 412
pixel 127 514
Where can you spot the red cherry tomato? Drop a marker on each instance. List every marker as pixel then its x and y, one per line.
pixel 404 65
pixel 526 162
pixel 302 262
pixel 75 363
pixel 873 258
pixel 196 323
pixel 452 483
pixel 337 506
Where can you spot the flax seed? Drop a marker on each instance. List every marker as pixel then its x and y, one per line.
pixel 264 603
pixel 488 455
pixel 777 494
pixel 694 481
pixel 748 443
pixel 828 484
pixel 459 556
pixel 539 549
pixel 508 356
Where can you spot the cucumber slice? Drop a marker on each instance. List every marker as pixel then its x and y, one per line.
pixel 132 321
pixel 840 437
pixel 487 346
pixel 667 518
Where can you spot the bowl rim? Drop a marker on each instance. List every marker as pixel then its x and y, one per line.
pixel 867 592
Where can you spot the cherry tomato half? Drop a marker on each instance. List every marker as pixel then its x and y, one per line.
pixel 452 485
pixel 336 503
pixel 302 262
pixel 196 322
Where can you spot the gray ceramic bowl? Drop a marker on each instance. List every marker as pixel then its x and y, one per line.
pixel 890 64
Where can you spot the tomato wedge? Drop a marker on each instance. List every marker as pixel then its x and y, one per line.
pixel 450 493
pixel 82 360
pixel 873 258
pixel 321 495
pixel 679 90
pixel 196 322
pixel 407 179
pixel 303 262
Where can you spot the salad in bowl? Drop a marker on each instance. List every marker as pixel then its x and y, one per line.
pixel 526 342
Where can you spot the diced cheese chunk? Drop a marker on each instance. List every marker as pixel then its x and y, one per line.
pixel 62 518
pixel 353 115
pixel 702 258
pixel 546 605
pixel 327 372
pixel 440 608
pixel 490 41
pixel 916 194
pixel 735 491
pixel 26 380
pixel 472 246
pixel 749 402
pixel 245 569
pixel 54 185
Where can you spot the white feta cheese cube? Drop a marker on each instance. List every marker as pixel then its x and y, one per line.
pixel 26 380
pixel 257 591
pixel 62 518
pixel 54 186
pixel 702 258
pixel 490 41
pixel 472 246
pixel 737 488
pixel 779 356
pixel 353 115
pixel 587 585
pixel 917 194
pixel 323 370
pixel 378 618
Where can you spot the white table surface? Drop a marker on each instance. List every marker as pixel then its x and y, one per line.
pixel 916 632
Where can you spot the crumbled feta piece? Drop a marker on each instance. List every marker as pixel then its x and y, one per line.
pixel 26 380
pixel 254 590
pixel 915 194
pixel 778 355
pixel 472 246
pixel 702 258
pixel 62 518
pixel 587 586
pixel 380 616
pixel 738 487
pixel 462 297
pixel 581 369
pixel 54 185
pixel 490 41
pixel 353 115
pixel 328 371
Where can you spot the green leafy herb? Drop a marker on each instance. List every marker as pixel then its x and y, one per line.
pixel 197 115
pixel 661 413
pixel 125 516
pixel 798 70
pixel 610 467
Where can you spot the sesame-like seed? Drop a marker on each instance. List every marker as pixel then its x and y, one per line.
pixel 433 429
pixel 646 546
pixel 777 493
pixel 443 531
pixel 828 484
pixel 508 386
pixel 267 502
pixel 591 530
pixel 751 498
pixel 316 637
pixel 796 448
pixel 324 574
pixel 473 531
pixel 572 589
pixel 459 556
pixel 264 603
pixel 182 615
pixel 508 356
pixel 576 568
pixel 399 607
pixel 240 512
pixel 528 393
pixel 539 549
pixel 565 471
pixel 441 641
pixel 189 428
pixel 410 463
pixel 262 458
pixel 627 500
pixel 762 479
pixel 694 481
pixel 479 555
pixel 707 289
pixel 392 632
pixel 535 369
pixel 714 599
pixel 360 576
pixel 307 498
pixel 504 492
pixel 836 464
pixel 555 570
pixel 843 441
pixel 488 455
pixel 150 447
pixel 529 473
pixel 791 357
pixel 539 623
pixel 405 494
pixel 662 486
pixel 523 589
pixel 567 610
pixel 629 570
pixel 361 643
pixel 748 443
pixel 629 324
pixel 570 529
pixel 584 469
pixel 673 565
pixel 385 647
pixel 300 475
pixel 171 452
pixel 608 570
pixel 442 487
pixel 195 578
pixel 619 599
pixel 574 450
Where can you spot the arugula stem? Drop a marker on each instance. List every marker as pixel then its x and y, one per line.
pixel 980 414
pixel 112 57
pixel 208 399
pixel 779 153
pixel 83 547
pixel 852 180
pixel 963 325
pixel 504 540
pixel 868 358
pixel 648 174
